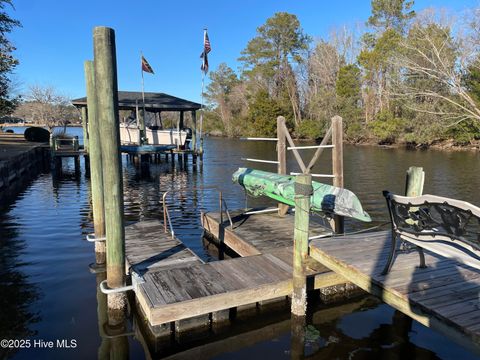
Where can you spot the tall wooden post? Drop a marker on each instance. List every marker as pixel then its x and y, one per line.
pixel 281 157
pixel 85 129
pixel 414 181
pixel 95 152
pixel 107 102
pixel 141 126
pixel 337 164
pixel 194 132
pixel 303 191
pixel 181 125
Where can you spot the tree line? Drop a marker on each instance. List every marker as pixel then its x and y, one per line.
pixel 406 77
pixel 41 104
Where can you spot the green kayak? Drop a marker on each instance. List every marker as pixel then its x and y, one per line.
pixel 326 198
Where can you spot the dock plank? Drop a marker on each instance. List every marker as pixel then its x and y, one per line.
pixel 258 233
pixel 148 247
pixel 178 285
pixel 221 285
pixel 444 296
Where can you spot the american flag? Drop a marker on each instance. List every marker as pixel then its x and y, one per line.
pixel 206 44
pixel 206 49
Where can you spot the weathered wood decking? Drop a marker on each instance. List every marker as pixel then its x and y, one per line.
pixel 257 233
pixel 181 293
pixel 149 248
pixel 444 296
pixel 178 285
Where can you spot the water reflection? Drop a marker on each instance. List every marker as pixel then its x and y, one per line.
pixel 17 292
pixel 46 290
pixel 330 333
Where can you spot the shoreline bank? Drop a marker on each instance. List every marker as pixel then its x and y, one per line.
pixel 20 162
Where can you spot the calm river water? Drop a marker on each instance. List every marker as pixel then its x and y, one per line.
pixel 47 292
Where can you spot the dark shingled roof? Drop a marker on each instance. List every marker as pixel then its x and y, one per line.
pixel 154 102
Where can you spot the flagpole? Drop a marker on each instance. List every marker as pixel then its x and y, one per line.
pixel 201 115
pixel 142 122
pixel 203 86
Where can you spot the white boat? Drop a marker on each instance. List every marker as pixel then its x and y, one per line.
pixel 130 135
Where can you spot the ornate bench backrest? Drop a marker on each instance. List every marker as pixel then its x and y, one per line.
pixel 430 217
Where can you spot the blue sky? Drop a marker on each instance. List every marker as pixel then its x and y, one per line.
pixel 56 36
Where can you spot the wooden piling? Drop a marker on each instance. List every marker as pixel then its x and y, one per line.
pixel 303 191
pixel 107 102
pixel 95 152
pixel 414 181
pixel 76 160
pixel 337 165
pixel 141 125
pixel 282 157
pixel 85 129
pixel 194 134
pixel 181 121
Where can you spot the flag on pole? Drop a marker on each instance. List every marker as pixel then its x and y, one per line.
pixel 146 66
pixel 206 43
pixel 206 49
pixel 204 66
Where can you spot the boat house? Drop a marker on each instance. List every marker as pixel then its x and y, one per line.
pixel 153 104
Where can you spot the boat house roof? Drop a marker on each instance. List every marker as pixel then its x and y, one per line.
pixel 154 102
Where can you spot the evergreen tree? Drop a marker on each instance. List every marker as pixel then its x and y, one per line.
pixel 348 89
pixel 269 56
pixel 389 22
pixel 7 61
pixel 262 114
pixel 391 14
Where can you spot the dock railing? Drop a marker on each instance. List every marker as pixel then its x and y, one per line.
pixel 167 221
pixel 69 144
pixel 334 135
pixel 166 215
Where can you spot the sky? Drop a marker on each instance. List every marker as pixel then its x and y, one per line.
pixel 56 36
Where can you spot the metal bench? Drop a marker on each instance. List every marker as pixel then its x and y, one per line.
pixel 447 227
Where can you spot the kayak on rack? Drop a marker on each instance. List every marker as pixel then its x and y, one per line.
pixel 326 198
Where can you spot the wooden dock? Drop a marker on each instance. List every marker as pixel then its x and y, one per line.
pixel 178 285
pixel 258 233
pixel 149 248
pixel 444 296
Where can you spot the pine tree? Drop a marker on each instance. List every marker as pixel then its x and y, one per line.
pixel 269 57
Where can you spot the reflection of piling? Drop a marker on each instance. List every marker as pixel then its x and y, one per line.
pixel 297 342
pixel 107 105
pixel 104 349
pixel 303 191
pixel 96 175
